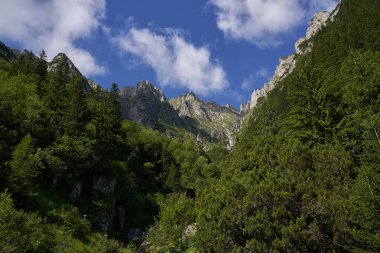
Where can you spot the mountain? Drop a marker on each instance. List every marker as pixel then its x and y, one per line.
pixel 304 174
pixel 302 46
pixel 147 105
pixel 208 122
pixel 72 69
pixel 6 53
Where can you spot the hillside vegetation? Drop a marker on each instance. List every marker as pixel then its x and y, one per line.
pixel 73 174
pixel 305 174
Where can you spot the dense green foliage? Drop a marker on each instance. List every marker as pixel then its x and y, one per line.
pixel 303 177
pixel 77 169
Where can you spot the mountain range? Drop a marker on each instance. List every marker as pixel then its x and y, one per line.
pixel 187 115
pixel 207 122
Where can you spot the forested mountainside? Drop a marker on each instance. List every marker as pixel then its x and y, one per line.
pixel 305 174
pixel 303 177
pixel 73 173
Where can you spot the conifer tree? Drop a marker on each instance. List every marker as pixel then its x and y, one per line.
pixel 57 95
pixel 77 112
pixel 108 122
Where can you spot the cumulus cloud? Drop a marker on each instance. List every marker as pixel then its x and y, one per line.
pixel 176 62
pixel 250 82
pixel 261 21
pixel 55 26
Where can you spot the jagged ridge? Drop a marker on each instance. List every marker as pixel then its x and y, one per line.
pixel 287 64
pixel 209 122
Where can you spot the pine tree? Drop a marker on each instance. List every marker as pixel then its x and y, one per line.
pixel 24 169
pixel 77 112
pixel 57 95
pixel 108 122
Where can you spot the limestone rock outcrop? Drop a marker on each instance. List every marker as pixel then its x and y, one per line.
pixel 302 46
pixel 209 122
pixel 147 105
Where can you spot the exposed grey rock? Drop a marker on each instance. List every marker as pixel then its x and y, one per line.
pixel 147 105
pixel 135 234
pixel 93 85
pixel 334 13
pixel 209 122
pixel 120 217
pixel 319 20
pixel 244 108
pixel 231 140
pixel 144 247
pixel 106 216
pixel 104 185
pixel 284 68
pixel 105 203
pixel 189 231
pixel 316 23
pixel 76 192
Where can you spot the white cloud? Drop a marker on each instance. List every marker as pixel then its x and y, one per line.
pixel 176 62
pixel 262 21
pixel 55 26
pixel 250 82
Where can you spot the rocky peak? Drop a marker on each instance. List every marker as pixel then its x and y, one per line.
pixel 146 87
pixel 316 23
pixel 229 106
pixel 6 53
pixel 209 121
pixel 146 104
pixel 319 20
pixel 52 66
pixel 190 96
pixel 62 57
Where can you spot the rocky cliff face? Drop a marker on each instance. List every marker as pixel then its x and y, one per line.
pixel 209 122
pixel 244 108
pixel 302 46
pixel 285 67
pixel 147 105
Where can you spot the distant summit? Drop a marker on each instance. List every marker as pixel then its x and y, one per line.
pixel 147 105
pixel 209 122
pixel 73 70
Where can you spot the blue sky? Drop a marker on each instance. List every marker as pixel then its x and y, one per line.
pixel 220 49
